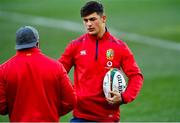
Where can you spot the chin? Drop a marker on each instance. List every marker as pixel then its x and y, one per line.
pixel 92 33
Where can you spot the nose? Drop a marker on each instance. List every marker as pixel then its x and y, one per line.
pixel 88 23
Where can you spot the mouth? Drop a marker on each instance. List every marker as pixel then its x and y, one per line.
pixel 90 29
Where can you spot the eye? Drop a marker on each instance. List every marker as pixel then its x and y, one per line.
pixel 93 19
pixel 85 20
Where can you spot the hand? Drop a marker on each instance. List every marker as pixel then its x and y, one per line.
pixel 115 99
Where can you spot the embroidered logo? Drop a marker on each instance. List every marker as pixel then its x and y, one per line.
pixel 83 52
pixel 110 54
pixel 28 54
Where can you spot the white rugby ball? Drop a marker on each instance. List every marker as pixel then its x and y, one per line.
pixel 113 81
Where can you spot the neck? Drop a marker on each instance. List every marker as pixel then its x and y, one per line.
pixel 101 33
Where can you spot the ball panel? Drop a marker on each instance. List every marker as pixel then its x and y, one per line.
pixel 113 81
pixel 106 84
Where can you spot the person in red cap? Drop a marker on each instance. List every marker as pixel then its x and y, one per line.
pixel 92 55
pixel 34 87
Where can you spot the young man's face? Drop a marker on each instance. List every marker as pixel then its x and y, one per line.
pixel 94 23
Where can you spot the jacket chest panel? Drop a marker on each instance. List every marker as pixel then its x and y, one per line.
pixel 108 56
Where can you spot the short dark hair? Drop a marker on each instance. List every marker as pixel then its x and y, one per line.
pixel 91 7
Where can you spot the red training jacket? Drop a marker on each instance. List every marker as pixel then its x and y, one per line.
pixel 35 88
pixel 91 59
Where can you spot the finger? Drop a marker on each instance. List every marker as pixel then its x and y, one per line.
pixel 114 92
pixel 110 101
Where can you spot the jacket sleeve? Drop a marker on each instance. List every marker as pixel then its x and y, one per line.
pixel 133 72
pixel 3 102
pixel 67 57
pixel 67 94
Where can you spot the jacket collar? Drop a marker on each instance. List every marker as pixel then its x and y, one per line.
pixel 104 37
pixel 28 51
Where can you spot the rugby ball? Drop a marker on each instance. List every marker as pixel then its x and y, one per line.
pixel 113 81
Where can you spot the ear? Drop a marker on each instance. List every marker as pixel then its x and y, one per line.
pixel 104 19
pixel 37 44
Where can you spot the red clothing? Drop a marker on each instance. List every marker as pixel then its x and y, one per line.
pixel 35 88
pixel 91 59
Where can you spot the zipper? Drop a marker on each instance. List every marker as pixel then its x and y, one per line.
pixel 96 55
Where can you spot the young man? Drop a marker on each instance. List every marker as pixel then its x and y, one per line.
pixel 92 55
pixel 34 87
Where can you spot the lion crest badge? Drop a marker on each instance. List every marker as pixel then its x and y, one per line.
pixel 110 54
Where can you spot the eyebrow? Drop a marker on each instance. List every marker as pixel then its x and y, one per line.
pixel 91 19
